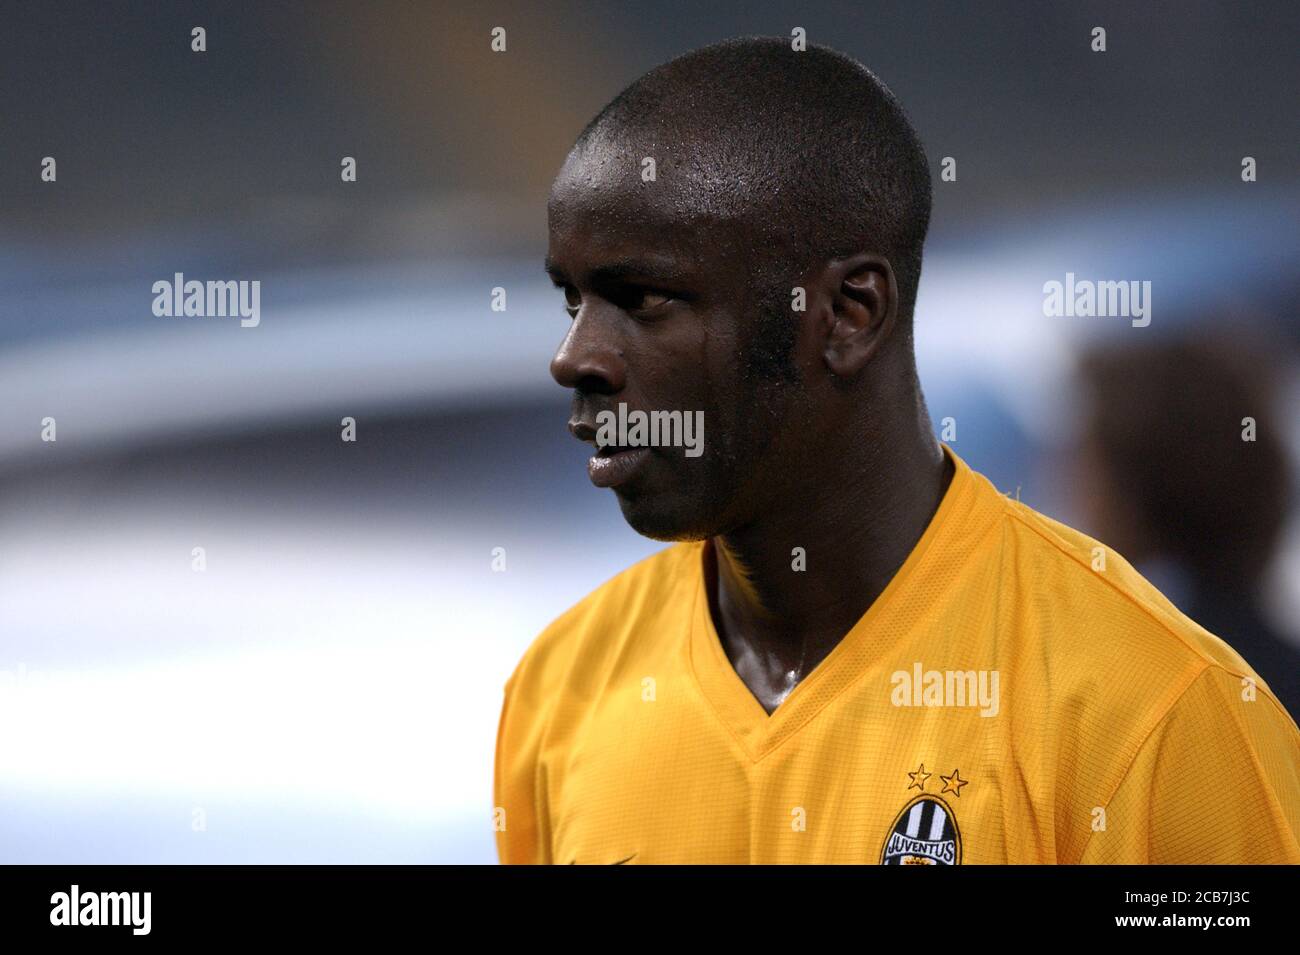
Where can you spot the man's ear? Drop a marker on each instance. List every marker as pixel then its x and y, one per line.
pixel 862 295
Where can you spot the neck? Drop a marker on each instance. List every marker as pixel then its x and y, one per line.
pixel 856 524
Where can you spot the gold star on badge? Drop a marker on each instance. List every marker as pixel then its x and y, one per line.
pixel 953 783
pixel 918 778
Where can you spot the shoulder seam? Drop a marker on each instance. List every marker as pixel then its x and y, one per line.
pixel 1155 616
pixel 1160 722
pixel 1147 611
pixel 1146 738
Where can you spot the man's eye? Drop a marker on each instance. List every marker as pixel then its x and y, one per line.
pixel 631 299
pixel 650 300
pixel 572 300
pixel 640 300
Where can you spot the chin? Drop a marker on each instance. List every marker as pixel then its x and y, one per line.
pixel 661 519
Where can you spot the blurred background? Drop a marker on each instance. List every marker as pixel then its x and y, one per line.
pixel 327 689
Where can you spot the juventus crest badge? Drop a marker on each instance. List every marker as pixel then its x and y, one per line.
pixel 925 831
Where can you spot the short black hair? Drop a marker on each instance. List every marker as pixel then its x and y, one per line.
pixel 1167 419
pixel 808 147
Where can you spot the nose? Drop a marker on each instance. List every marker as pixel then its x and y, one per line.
pixel 590 357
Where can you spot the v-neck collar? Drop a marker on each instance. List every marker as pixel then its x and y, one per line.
pixel 963 512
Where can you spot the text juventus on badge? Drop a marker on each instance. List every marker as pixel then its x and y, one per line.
pixel 925 833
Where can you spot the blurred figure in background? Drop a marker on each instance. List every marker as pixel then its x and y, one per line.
pixel 1170 482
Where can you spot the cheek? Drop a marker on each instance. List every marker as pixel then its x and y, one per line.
pixel 673 366
pixel 692 367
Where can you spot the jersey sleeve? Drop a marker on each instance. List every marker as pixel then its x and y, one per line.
pixel 1216 782
pixel 520 814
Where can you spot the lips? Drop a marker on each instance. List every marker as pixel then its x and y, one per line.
pixel 611 465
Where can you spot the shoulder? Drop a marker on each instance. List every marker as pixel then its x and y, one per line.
pixel 1138 690
pixel 1115 660
pixel 1100 607
pixel 595 629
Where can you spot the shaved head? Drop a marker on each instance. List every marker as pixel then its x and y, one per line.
pixel 807 151
pixel 684 218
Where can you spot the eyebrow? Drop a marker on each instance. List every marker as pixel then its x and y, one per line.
pixel 621 269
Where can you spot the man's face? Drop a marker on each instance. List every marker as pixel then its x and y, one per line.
pixel 664 319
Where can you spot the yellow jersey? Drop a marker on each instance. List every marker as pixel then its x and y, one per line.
pixel 1017 694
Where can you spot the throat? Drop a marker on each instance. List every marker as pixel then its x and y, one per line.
pixel 777 622
pixel 770 689
pixel 769 660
